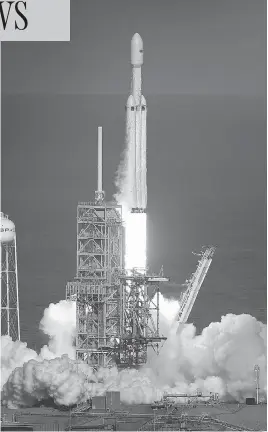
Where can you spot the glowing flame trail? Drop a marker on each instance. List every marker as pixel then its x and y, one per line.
pixel 135 240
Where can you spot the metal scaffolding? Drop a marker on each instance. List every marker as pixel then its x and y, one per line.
pixel 140 326
pixel 116 318
pixel 97 287
pixel 10 319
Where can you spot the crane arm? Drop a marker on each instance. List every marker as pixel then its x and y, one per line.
pixel 194 284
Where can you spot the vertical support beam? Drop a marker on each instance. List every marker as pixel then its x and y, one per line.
pixel 77 243
pixel 8 290
pixel 157 311
pixel 104 322
pixel 17 287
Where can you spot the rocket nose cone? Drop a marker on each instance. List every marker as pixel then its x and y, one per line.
pixel 130 101
pixel 143 101
pixel 136 38
pixel 136 50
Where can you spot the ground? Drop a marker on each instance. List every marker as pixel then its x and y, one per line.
pixel 133 417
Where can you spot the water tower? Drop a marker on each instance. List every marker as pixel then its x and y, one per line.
pixel 10 318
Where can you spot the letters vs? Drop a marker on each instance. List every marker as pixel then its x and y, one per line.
pixel 13 11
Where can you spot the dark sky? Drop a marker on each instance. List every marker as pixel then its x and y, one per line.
pixel 191 46
pixel 204 80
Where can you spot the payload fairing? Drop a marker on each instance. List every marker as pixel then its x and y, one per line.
pixel 136 112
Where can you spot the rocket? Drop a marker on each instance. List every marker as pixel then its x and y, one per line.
pixel 136 112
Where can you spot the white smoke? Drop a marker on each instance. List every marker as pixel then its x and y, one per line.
pixel 13 355
pixel 59 323
pixel 123 182
pixel 168 308
pixel 58 379
pixel 221 359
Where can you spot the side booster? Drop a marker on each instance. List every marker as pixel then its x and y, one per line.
pixel 136 113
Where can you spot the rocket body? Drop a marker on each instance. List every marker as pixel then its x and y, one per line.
pixel 136 113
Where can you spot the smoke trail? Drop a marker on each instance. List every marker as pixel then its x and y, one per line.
pixel 123 182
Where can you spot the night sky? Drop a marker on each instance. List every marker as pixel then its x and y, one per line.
pixel 205 84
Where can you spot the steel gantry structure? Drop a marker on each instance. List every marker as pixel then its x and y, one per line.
pixel 140 317
pixel 116 318
pixel 96 288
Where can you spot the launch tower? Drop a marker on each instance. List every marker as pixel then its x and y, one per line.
pixel 10 317
pixel 96 288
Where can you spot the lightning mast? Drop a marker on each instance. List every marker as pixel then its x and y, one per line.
pixel 194 284
pixel 99 194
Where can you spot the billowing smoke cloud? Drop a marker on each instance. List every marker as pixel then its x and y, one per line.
pixel 221 359
pixel 59 322
pixel 13 355
pixel 57 379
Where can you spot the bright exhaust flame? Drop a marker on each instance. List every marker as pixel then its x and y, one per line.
pixel 135 240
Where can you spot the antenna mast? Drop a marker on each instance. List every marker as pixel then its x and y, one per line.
pixel 257 379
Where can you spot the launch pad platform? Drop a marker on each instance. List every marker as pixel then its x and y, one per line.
pixel 228 416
